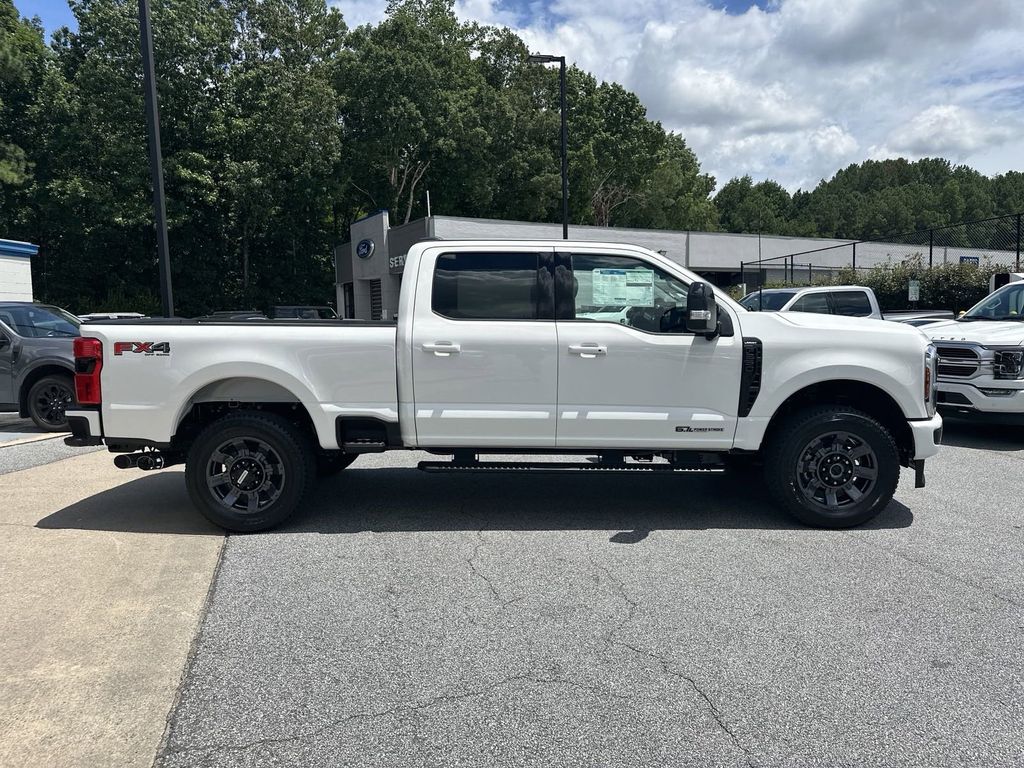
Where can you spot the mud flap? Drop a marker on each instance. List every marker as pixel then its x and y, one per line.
pixel 919 473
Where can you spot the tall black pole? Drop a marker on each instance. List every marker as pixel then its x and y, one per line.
pixel 565 150
pixel 155 158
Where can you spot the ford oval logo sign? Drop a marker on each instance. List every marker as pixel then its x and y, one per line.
pixel 364 249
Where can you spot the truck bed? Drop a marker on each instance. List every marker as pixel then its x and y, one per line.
pixel 154 370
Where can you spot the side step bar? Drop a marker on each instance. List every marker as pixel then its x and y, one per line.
pixel 559 467
pixel 364 445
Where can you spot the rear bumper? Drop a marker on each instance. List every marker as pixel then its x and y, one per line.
pixel 85 429
pixel 927 437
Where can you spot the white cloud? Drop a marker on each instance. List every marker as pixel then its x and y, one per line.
pixel 949 130
pixel 359 12
pixel 799 91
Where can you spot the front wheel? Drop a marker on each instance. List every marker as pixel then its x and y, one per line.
pixel 48 402
pixel 832 467
pixel 249 471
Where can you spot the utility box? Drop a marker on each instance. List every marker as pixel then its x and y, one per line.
pixel 16 270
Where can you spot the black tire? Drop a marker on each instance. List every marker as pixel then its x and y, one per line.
pixel 330 463
pixel 832 466
pixel 250 471
pixel 48 402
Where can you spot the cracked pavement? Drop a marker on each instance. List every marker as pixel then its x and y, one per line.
pixel 440 620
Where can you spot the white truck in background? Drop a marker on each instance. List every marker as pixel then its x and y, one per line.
pixel 493 352
pixel 845 300
pixel 981 358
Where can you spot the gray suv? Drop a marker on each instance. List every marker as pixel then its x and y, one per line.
pixel 37 364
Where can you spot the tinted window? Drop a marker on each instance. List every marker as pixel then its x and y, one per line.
pixel 769 301
pixel 811 302
pixel 627 291
pixel 851 303
pixel 488 286
pixel 37 321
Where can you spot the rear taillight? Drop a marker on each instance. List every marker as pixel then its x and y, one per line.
pixel 88 364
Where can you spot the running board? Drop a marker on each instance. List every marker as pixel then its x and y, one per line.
pixel 364 445
pixel 557 467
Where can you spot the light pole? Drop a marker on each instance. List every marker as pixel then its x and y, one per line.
pixel 545 59
pixel 155 157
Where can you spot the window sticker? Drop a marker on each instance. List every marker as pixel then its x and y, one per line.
pixel 629 287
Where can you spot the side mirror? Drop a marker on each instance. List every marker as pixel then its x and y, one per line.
pixel 701 310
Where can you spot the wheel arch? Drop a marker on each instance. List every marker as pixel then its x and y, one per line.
pixel 863 396
pixel 33 375
pixel 220 396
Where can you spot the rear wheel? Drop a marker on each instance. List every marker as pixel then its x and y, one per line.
pixel 48 402
pixel 249 471
pixel 832 467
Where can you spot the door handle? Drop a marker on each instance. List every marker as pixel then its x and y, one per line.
pixel 588 350
pixel 442 348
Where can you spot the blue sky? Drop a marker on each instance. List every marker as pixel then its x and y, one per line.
pixel 53 13
pixel 786 89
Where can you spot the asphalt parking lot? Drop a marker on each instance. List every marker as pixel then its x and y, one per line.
pixel 409 619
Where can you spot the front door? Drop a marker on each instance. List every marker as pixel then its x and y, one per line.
pixel 484 353
pixel 626 379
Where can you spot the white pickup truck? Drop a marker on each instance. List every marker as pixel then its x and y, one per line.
pixel 981 358
pixel 845 300
pixel 493 353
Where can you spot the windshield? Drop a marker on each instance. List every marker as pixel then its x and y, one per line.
pixel 35 321
pixel 769 301
pixel 1005 304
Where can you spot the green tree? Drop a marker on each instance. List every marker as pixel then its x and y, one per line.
pixel 744 206
pixel 675 194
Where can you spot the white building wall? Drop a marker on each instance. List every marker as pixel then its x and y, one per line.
pixel 15 278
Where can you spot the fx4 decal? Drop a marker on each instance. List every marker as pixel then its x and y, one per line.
pixel 142 347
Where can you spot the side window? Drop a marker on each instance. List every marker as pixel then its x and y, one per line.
pixel 628 291
pixel 490 286
pixel 851 303
pixel 811 302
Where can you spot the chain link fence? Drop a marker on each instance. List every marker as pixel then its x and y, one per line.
pixel 991 245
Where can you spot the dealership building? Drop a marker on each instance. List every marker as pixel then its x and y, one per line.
pixel 16 270
pixel 369 265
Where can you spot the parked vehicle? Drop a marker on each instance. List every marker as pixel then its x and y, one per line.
pixel 847 300
pixel 37 365
pixel 981 357
pixel 490 355
pixel 304 313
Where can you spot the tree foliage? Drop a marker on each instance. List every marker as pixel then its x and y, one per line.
pixel 281 125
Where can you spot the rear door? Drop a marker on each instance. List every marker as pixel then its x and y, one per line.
pixel 851 303
pixel 630 382
pixel 812 302
pixel 484 349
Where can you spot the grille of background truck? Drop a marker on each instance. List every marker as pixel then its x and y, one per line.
pixel 960 362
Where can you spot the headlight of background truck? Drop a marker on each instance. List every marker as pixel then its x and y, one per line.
pixel 1008 363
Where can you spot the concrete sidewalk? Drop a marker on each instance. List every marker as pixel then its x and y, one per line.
pixel 103 579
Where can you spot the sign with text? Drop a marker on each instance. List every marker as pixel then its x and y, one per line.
pixel 975 260
pixel 625 287
pixel 914 290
